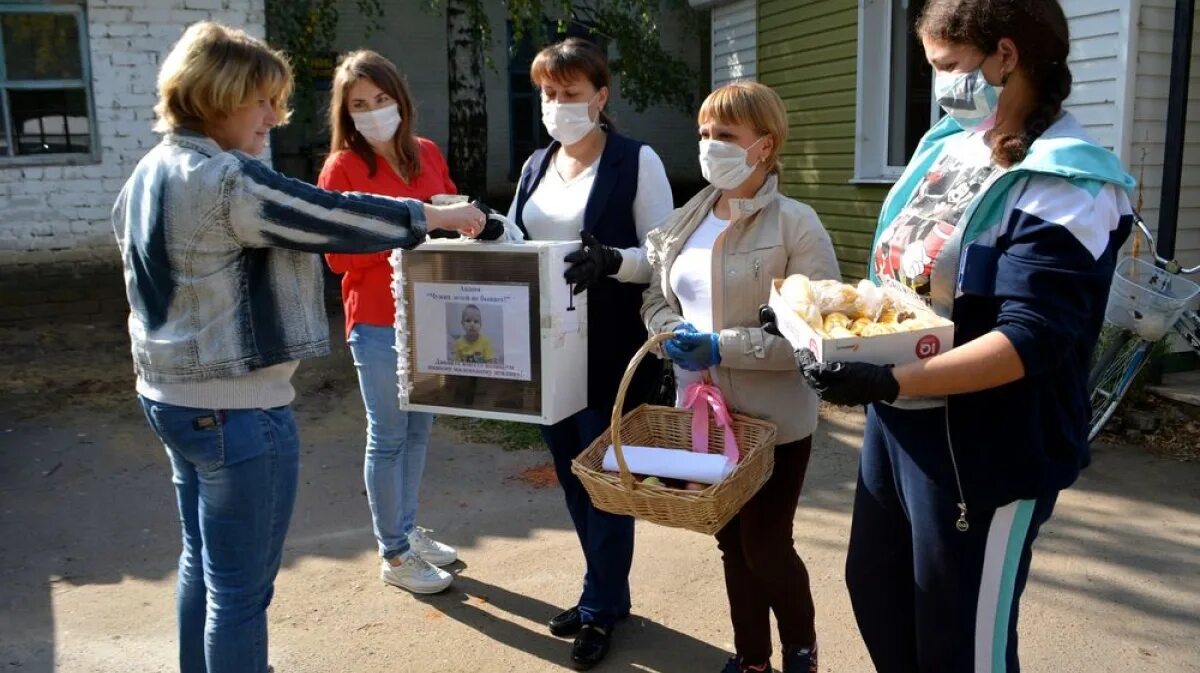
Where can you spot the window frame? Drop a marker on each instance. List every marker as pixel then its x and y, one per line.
pixel 872 95
pixel 92 155
pixel 520 67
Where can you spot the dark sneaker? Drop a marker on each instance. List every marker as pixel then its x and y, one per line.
pixel 736 665
pixel 566 623
pixel 591 646
pixel 800 659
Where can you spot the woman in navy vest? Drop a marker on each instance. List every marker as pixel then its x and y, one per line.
pixel 611 191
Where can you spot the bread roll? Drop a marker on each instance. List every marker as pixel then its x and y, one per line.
pixel 797 292
pixel 834 297
pixel 839 332
pixel 812 315
pixel 836 320
pixel 879 329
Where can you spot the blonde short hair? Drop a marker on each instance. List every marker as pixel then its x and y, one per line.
pixel 750 104
pixel 215 69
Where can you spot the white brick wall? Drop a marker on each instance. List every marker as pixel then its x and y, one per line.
pixel 60 214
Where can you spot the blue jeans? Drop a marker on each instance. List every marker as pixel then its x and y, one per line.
pixel 396 440
pixel 235 474
pixel 607 539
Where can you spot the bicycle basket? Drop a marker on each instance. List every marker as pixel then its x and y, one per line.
pixel 1146 299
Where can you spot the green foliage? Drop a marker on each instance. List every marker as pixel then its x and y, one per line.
pixel 507 435
pixel 305 30
pixel 647 73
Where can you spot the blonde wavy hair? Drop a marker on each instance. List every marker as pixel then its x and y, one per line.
pixel 750 104
pixel 215 69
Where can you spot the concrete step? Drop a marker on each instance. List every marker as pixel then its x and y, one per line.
pixel 1181 387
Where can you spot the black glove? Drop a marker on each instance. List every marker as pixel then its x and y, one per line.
pixel 591 263
pixel 849 384
pixel 492 228
pixel 766 320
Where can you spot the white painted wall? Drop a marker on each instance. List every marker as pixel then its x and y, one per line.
pixel 1148 133
pixel 734 42
pixel 60 214
pixel 1099 54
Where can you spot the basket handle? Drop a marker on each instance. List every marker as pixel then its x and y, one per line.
pixel 615 423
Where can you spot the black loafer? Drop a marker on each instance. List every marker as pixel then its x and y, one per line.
pixel 566 624
pixel 591 646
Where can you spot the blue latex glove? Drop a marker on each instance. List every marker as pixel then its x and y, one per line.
pixel 692 350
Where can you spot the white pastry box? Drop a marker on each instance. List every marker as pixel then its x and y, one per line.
pixel 490 330
pixel 885 349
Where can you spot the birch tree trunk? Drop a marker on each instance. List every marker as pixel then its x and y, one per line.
pixel 468 99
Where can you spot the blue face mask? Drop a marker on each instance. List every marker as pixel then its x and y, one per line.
pixel 967 96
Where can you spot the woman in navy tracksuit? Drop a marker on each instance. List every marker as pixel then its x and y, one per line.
pixel 1008 220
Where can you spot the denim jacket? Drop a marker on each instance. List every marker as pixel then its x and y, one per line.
pixel 220 269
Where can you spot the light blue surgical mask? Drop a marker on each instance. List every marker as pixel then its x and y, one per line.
pixel 967 96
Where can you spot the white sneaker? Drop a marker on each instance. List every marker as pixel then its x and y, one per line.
pixel 431 550
pixel 415 574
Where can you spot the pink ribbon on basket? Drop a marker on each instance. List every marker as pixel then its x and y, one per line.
pixel 700 396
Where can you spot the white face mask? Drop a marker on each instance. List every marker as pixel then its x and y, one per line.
pixel 568 123
pixel 378 126
pixel 724 164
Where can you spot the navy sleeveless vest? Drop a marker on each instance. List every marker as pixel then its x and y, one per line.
pixel 615 328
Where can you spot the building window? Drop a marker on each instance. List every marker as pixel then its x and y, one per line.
pixel 525 130
pixel 45 96
pixel 734 42
pixel 895 83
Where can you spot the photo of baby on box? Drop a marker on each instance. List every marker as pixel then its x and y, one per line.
pixel 476 330
pixel 470 341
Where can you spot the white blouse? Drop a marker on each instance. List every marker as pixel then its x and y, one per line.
pixel 691 278
pixel 554 212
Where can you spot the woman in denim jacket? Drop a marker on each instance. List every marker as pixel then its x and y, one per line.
pixel 225 297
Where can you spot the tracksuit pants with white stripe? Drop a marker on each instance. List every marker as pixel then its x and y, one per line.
pixel 928 597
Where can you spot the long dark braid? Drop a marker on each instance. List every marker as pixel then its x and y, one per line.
pixel 1038 28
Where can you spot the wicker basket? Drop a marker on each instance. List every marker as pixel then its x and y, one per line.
pixel 705 511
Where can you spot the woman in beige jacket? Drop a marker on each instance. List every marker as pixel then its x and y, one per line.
pixel 713 264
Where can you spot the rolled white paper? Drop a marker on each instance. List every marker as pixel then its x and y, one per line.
pixel 703 468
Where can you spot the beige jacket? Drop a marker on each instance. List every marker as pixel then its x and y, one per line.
pixel 770 236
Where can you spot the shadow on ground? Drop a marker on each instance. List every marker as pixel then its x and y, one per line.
pixel 86 505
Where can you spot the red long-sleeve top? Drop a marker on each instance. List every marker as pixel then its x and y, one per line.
pixel 367 279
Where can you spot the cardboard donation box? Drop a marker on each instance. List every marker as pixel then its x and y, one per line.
pixel 918 334
pixel 490 330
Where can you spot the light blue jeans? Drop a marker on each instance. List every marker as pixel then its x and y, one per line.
pixel 235 474
pixel 396 440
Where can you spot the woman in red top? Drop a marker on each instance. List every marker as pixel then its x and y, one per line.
pixel 374 150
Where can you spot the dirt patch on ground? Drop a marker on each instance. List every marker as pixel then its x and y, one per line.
pixel 539 476
pixel 1176 435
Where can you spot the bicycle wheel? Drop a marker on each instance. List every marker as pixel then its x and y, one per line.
pixel 1112 340
pixel 1113 378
